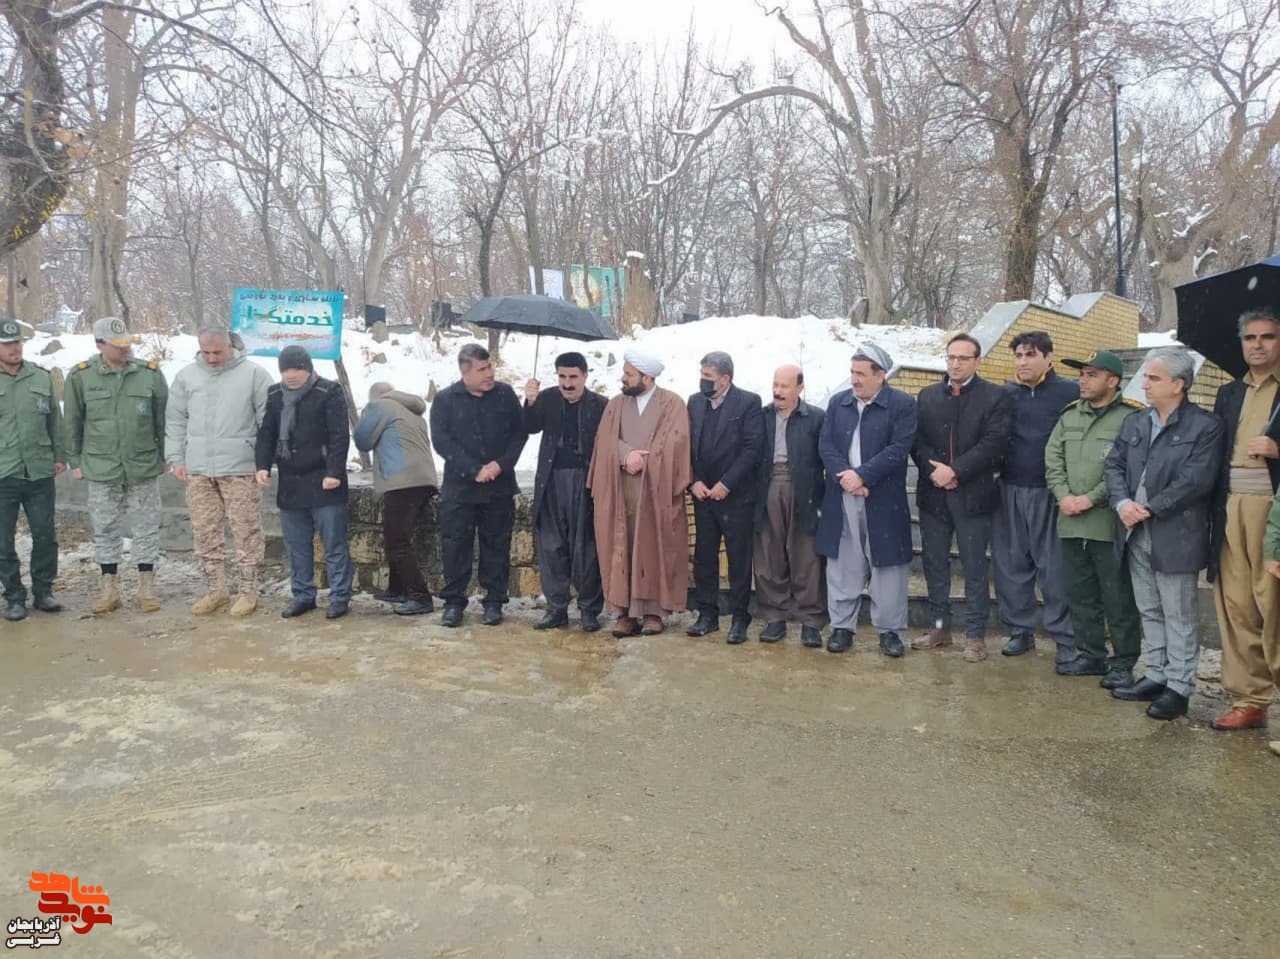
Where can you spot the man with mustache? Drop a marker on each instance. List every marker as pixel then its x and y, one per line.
pixel 638 477
pixel 787 569
pixel 567 417
pixel 1247 598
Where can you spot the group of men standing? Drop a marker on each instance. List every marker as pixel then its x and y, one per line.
pixel 220 428
pixel 1096 515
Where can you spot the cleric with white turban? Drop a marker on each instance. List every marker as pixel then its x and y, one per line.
pixel 644 361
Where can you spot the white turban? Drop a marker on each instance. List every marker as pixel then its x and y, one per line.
pixel 644 361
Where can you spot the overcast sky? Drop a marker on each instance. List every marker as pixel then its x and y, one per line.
pixel 736 28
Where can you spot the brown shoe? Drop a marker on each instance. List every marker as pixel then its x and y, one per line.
pixel 653 625
pixel 975 649
pixel 1241 717
pixel 625 626
pixel 932 638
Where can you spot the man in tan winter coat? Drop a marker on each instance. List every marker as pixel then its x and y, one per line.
pixel 405 477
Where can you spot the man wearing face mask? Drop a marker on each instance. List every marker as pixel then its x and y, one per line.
pixel 727 433
pixel 305 434
pixel 567 417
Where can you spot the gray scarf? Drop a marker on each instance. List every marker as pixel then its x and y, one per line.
pixel 289 413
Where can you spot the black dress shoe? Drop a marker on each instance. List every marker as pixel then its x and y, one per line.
pixel 1168 705
pixel 811 636
pixel 297 608
pixel 492 614
pixel 47 604
pixel 891 644
pixel 451 617
pixel 337 610
pixel 1018 644
pixel 1116 677
pixel 775 632
pixel 14 610
pixel 414 607
pixel 707 623
pixel 553 619
pixel 1084 666
pixel 1143 691
pixel 737 632
pixel 590 623
pixel 841 639
pixel 385 596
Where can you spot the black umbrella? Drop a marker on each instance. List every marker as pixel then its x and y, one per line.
pixel 531 313
pixel 1209 308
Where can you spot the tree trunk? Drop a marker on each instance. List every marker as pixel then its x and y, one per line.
pixel 33 163
pixel 108 226
pixel 29 285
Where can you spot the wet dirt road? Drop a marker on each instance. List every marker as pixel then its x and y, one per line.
pixel 382 787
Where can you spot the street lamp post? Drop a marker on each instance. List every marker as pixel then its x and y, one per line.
pixel 1115 161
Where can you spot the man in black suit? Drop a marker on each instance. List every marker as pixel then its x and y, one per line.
pixel 567 417
pixel 727 432
pixel 961 440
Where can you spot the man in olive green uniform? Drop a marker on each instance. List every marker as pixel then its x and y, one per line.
pixel 1095 577
pixel 31 455
pixel 115 440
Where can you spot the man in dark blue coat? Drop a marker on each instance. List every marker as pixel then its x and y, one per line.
pixel 726 433
pixel 865 526
pixel 304 434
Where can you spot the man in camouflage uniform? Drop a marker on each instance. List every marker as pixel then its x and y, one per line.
pixel 217 405
pixel 31 455
pixel 115 440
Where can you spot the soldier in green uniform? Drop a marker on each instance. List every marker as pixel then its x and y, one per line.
pixel 31 455
pixel 1095 577
pixel 115 440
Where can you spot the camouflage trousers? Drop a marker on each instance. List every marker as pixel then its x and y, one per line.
pixel 213 500
pixel 108 504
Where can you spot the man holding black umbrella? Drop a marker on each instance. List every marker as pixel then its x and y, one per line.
pixel 1247 598
pixel 567 417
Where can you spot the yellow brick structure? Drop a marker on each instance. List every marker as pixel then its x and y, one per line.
pixel 1084 323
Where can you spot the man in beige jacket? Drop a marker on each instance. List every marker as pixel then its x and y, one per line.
pixel 405 477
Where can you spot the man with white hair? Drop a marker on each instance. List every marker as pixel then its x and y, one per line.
pixel 1161 473
pixel 638 476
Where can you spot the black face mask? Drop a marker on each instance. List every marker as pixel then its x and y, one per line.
pixel 707 387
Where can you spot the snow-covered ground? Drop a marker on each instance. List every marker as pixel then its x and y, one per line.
pixel 758 345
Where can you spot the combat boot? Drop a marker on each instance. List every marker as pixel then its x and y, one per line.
pixel 217 597
pixel 108 595
pixel 247 601
pixel 148 602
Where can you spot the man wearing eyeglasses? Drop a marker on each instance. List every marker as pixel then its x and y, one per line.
pixel 961 440
pixel 1248 600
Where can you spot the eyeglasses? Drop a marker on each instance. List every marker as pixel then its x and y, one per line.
pixel 952 358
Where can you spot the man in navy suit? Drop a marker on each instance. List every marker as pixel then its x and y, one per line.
pixel 865 527
pixel 726 432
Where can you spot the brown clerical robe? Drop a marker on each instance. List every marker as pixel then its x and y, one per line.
pixel 644 556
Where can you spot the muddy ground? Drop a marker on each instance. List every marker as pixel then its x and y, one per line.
pixel 378 786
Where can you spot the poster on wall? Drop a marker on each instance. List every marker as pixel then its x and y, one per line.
pixel 270 320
